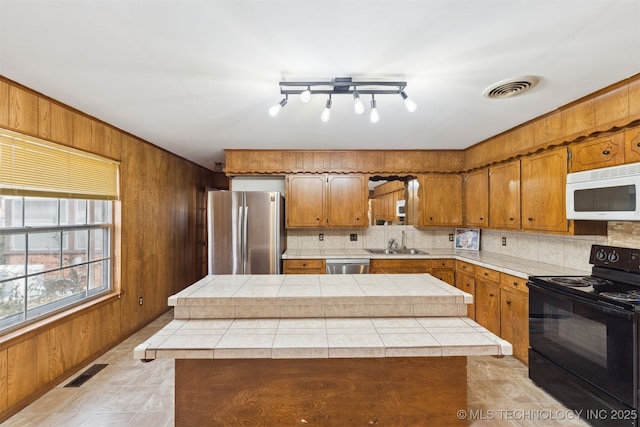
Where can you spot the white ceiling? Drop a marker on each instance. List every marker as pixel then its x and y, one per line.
pixel 196 77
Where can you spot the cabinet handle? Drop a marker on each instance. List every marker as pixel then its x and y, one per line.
pixel 430 218
pixel 486 274
pixel 481 218
pixel 638 144
pixel 490 294
pixel 605 152
pixel 510 219
pixel 304 265
pixel 508 302
pixel 530 219
pixel 515 284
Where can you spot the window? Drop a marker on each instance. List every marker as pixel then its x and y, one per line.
pixel 55 236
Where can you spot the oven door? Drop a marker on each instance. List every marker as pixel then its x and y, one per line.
pixel 593 340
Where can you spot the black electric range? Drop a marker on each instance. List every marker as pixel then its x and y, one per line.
pixel 584 337
pixel 614 279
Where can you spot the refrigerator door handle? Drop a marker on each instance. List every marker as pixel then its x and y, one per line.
pixel 245 238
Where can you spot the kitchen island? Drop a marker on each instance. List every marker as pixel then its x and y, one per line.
pixel 320 350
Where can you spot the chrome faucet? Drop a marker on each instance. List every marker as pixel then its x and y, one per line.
pixel 392 244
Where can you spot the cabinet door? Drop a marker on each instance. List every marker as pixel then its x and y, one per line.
pixel 488 304
pixel 466 282
pixel 632 145
pixel 305 195
pixel 476 198
pixel 514 321
pixel 597 153
pixel 347 197
pixel 441 200
pixel 543 191
pixel 504 195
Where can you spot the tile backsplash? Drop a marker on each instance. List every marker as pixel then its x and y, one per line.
pixel 566 251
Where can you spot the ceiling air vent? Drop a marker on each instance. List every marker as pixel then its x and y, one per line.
pixel 510 87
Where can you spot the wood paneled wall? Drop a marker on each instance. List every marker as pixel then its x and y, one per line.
pixel 158 252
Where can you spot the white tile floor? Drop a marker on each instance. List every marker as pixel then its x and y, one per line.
pixel 131 393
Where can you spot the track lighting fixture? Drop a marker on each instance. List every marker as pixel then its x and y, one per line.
pixel 326 113
pixel 305 96
pixel 408 102
pixel 343 86
pixel 374 117
pixel 358 106
pixel 273 111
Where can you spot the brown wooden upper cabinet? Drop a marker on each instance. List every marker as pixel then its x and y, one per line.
pixel 632 145
pixel 326 200
pixel 597 153
pixel 476 198
pixel 504 195
pixel 440 199
pixel 543 191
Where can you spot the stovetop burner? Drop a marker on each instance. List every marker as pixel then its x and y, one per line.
pixel 629 296
pixel 580 282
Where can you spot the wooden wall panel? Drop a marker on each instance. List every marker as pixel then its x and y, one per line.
pixel 23 111
pixel 634 98
pixel 611 106
pixel 44 118
pixel 22 379
pixel 61 124
pixel 156 251
pixel 547 129
pixel 4 380
pixel 4 104
pixel 578 118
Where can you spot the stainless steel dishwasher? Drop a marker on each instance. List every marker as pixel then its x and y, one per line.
pixel 347 266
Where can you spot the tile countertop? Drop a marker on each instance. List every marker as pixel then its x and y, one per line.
pixel 319 295
pixel 314 338
pixel 518 267
pixel 320 316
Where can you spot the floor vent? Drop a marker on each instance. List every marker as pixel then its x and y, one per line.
pixel 86 375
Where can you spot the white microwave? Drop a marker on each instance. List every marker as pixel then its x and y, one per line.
pixel 400 208
pixel 609 194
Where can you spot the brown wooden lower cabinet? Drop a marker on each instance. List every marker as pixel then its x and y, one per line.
pixel 501 306
pixel 417 391
pixel 514 315
pixel 439 268
pixel 467 282
pixel 488 304
pixel 303 266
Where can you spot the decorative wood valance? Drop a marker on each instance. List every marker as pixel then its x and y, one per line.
pixel 241 162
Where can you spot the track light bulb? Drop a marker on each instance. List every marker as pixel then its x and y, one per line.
pixel 374 117
pixel 358 106
pixel 305 96
pixel 326 114
pixel 273 111
pixel 408 102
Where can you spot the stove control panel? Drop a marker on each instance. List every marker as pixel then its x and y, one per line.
pixel 627 259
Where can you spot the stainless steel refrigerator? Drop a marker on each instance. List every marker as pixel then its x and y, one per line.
pixel 246 233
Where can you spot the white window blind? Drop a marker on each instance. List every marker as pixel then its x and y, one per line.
pixel 34 167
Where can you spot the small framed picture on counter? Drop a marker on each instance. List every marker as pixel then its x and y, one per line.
pixel 467 238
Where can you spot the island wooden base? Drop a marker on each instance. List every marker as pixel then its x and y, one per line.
pixel 426 391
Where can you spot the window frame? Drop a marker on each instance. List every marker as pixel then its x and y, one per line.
pixel 106 262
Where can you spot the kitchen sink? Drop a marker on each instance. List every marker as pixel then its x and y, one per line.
pixel 406 251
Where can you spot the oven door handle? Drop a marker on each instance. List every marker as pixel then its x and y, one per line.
pixel 600 306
